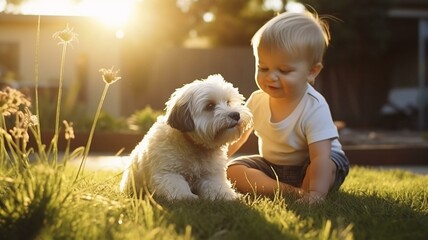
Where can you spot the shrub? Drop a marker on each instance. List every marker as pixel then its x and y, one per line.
pixel 142 120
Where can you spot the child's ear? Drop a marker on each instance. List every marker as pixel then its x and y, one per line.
pixel 314 71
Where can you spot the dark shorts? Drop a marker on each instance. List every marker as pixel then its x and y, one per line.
pixel 293 175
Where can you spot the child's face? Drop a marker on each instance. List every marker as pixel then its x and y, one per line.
pixel 281 75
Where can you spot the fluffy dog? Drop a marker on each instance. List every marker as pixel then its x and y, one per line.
pixel 184 154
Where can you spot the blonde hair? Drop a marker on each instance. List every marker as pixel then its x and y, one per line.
pixel 298 34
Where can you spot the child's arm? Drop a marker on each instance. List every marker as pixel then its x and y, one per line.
pixel 233 148
pixel 321 172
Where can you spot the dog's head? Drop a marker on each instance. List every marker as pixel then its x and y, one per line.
pixel 211 111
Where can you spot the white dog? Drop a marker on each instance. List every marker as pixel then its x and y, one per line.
pixel 184 154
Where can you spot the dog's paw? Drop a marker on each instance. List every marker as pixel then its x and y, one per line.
pixel 185 197
pixel 221 194
pixel 229 195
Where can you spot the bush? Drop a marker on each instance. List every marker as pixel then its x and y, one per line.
pixel 142 120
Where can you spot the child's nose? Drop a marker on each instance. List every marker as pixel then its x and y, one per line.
pixel 273 76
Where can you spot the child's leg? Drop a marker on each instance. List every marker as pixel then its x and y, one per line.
pixel 251 180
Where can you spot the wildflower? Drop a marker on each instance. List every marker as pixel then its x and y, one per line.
pixel 28 119
pixel 110 75
pixel 19 133
pixel 10 101
pixel 69 131
pixel 22 122
pixel 34 120
pixel 65 36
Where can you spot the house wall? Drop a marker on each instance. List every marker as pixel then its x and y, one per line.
pixel 170 68
pixel 173 67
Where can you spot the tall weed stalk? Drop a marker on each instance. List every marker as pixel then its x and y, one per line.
pixel 65 37
pixel 109 77
pixel 17 124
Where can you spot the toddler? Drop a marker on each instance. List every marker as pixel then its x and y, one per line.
pixel 299 151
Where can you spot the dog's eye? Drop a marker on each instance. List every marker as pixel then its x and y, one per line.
pixel 210 107
pixel 228 102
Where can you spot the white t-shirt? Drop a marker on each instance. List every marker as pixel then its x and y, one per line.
pixel 286 142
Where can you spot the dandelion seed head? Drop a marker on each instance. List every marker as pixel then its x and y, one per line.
pixel 66 36
pixel 110 75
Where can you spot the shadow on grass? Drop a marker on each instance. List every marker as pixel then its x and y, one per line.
pixel 222 220
pixel 371 216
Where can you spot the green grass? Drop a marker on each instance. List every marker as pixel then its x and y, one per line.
pixel 40 203
pixel 44 201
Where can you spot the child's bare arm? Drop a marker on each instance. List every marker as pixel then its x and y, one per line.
pixel 320 174
pixel 233 148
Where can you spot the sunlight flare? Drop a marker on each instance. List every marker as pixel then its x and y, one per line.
pixel 208 17
pixel 296 7
pixel 275 5
pixel 3 4
pixel 113 13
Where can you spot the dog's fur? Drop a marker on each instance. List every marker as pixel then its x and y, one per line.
pixel 184 154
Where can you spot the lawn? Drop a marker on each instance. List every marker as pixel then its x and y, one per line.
pixel 53 200
pixel 42 203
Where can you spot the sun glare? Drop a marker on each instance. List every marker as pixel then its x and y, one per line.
pixel 293 6
pixel 275 5
pixel 2 5
pixel 113 13
pixel 208 17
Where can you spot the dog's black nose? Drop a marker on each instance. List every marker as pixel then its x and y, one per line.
pixel 235 116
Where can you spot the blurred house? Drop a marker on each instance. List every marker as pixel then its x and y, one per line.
pixel 97 47
pixel 151 75
pixel 172 67
pixel 408 98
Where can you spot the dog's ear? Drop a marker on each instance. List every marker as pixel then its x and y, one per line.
pixel 180 118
